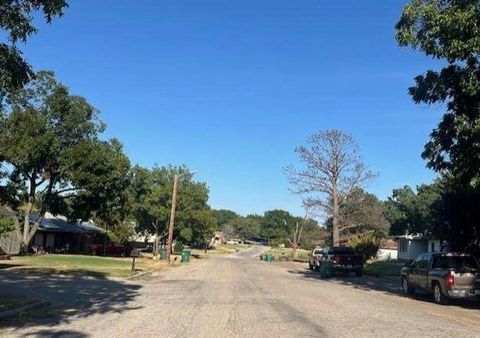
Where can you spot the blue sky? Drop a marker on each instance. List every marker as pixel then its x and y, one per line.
pixel 229 88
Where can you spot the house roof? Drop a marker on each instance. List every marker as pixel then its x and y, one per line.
pixel 389 244
pixel 417 237
pixel 411 236
pixel 61 224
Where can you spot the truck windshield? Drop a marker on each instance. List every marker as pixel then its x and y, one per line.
pixel 455 262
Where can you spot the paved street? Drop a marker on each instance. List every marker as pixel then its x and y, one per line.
pixel 241 296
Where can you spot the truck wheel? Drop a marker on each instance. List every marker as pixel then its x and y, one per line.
pixel 407 289
pixel 438 296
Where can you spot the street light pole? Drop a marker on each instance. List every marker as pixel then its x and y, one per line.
pixel 172 216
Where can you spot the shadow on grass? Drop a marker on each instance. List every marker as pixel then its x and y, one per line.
pixel 71 296
pixel 389 285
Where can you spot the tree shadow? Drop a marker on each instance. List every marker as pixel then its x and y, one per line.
pixel 388 285
pixel 7 266
pixel 57 334
pixel 66 297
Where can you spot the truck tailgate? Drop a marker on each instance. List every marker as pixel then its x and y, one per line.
pixel 467 280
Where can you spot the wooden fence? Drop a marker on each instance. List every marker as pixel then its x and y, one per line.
pixel 10 244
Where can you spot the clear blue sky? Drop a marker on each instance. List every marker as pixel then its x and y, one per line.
pixel 230 87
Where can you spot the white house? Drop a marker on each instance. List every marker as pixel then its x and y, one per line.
pixel 388 250
pixel 410 246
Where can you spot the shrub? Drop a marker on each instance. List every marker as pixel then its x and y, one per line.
pixel 7 225
pixel 366 245
pixel 178 247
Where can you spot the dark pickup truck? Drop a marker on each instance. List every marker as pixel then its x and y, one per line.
pixel 445 275
pixel 344 260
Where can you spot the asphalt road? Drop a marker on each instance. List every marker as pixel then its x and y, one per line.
pixel 242 296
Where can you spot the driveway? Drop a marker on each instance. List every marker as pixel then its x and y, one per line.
pixel 242 296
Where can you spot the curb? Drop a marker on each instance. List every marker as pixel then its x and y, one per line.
pixel 13 312
pixel 142 274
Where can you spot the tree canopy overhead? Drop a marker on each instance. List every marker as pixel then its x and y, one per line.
pixel 448 30
pixel 16 19
pixel 52 156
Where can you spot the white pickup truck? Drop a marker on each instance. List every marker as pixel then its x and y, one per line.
pixel 315 256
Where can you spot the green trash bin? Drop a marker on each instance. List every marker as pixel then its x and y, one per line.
pixel 325 269
pixel 185 256
pixel 163 254
pixel 269 258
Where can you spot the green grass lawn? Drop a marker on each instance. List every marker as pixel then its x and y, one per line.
pixel 83 265
pixel 286 253
pixel 380 269
pixel 221 250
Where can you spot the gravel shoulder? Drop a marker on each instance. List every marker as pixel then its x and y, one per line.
pixel 239 295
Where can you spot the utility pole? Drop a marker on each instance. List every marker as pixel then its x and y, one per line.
pixel 172 216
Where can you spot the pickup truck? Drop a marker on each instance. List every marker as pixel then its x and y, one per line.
pixel 445 275
pixel 344 260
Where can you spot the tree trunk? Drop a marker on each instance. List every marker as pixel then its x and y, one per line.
pixel 156 246
pixel 335 220
pixel 28 211
pixel 29 232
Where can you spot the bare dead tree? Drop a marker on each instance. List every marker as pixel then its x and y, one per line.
pixel 297 236
pixel 330 168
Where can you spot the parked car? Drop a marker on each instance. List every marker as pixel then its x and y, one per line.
pixel 445 275
pixel 344 260
pixel 315 256
pixel 111 249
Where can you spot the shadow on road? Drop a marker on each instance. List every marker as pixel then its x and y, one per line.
pixel 70 296
pixel 57 334
pixel 388 285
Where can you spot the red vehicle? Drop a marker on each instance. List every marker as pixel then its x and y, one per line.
pixel 111 249
pixel 344 260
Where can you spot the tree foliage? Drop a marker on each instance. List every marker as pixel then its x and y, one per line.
pixel 52 156
pixel 366 245
pixel 362 213
pixel 412 212
pixel 449 30
pixel 223 216
pixel 152 199
pixel 16 19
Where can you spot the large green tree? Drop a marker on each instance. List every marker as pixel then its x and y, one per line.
pixel 245 228
pixel 223 216
pixel 50 148
pixel 152 196
pixel 449 30
pixel 16 20
pixel 412 212
pixel 277 225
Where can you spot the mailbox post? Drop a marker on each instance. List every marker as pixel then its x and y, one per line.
pixel 135 253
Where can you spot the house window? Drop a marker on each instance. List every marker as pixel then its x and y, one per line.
pixel 433 247
pixel 403 245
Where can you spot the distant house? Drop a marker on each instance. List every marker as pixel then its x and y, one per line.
pixel 218 238
pixel 388 250
pixel 410 246
pixel 57 234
